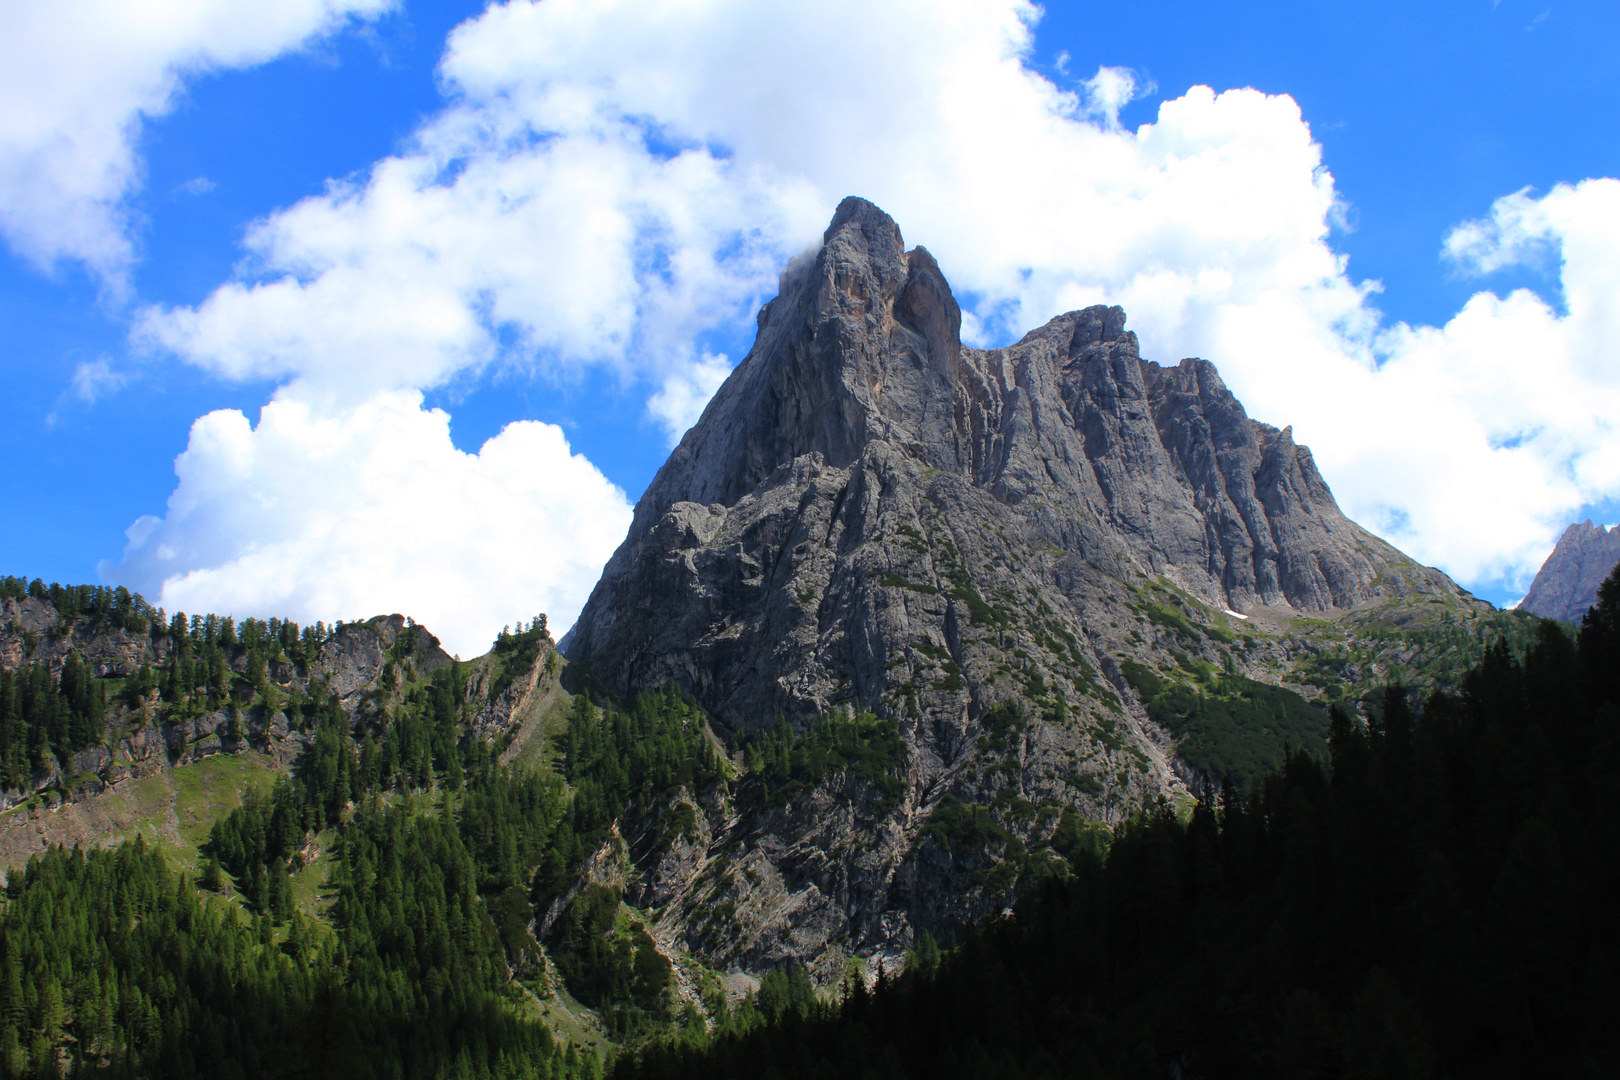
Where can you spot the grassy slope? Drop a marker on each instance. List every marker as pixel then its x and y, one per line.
pixel 173 808
pixel 1227 725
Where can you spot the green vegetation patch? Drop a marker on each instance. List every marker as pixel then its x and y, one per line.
pixel 1427 646
pixel 790 764
pixel 1162 616
pixel 1080 837
pixel 979 612
pixel 610 962
pixel 635 759
pixel 971 834
pixel 1231 726
pixel 214 786
pixel 913 540
pixel 1002 726
pixel 894 581
pixel 516 653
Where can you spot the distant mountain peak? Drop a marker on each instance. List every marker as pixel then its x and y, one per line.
pixel 1567 583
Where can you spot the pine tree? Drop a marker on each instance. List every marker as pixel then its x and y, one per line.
pixel 213 878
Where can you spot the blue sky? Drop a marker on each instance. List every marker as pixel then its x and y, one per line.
pixel 1424 117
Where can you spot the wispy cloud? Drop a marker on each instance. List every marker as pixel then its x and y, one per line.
pixel 94 379
pixel 1110 90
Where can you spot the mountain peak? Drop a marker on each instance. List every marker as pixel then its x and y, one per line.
pixel 876 226
pixel 1068 442
pixel 862 336
pixel 1567 583
pixel 992 551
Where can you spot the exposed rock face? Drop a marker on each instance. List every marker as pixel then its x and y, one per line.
pixel 768 565
pixel 872 515
pixel 353 658
pixel 525 686
pixel 91 799
pixel 32 631
pixel 1567 583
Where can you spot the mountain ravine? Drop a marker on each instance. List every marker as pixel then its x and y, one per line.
pixel 1005 553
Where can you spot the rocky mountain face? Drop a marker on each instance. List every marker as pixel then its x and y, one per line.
pixel 980 546
pixel 1567 583
pixel 349 660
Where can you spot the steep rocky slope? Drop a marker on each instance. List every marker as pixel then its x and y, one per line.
pixel 871 516
pixel 864 481
pixel 1567 583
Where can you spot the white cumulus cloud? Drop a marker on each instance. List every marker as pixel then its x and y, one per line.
pixel 686 390
pixel 613 181
pixel 1110 90
pixel 77 77
pixel 371 509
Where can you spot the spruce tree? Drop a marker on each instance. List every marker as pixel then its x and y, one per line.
pixel 213 878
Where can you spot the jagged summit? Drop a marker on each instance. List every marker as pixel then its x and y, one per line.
pixel 1567 583
pixel 1078 448
pixel 1002 552
pixel 814 382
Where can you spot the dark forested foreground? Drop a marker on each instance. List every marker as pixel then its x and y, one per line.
pixel 116 966
pixel 1438 902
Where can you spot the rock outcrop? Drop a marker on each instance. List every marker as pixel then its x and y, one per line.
pixel 366 667
pixel 871 516
pixel 32 631
pixel 146 737
pixel 1567 583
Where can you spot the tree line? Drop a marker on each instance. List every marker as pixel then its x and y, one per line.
pixel 115 606
pixel 47 716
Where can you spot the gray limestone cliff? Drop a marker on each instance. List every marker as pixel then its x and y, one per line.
pixel 871 516
pixel 862 473
pixel 1567 583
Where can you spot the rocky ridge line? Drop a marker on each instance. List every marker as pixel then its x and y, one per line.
pixel 150 736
